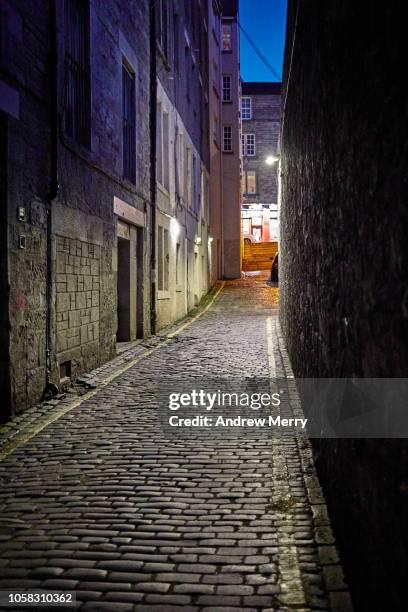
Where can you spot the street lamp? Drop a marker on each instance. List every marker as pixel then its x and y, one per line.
pixel 271 159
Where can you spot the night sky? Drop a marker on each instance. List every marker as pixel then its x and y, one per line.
pixel 265 22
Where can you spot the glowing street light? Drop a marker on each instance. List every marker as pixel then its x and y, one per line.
pixel 271 159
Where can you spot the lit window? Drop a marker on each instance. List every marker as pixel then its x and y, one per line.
pixel 227 139
pixel 226 37
pixel 226 88
pixel 250 181
pixel 246 109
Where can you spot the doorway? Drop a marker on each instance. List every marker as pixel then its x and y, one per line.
pixel 123 333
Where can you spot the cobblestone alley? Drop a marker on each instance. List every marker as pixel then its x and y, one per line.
pixel 101 503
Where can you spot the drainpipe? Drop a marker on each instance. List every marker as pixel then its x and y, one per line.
pixel 153 119
pixel 51 388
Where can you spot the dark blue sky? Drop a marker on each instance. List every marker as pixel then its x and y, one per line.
pixel 265 22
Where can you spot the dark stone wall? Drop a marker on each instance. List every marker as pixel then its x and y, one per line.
pixel 344 259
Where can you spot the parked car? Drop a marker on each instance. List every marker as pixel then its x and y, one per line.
pixel 275 268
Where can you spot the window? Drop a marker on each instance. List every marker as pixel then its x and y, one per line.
pixel 227 139
pixel 159 153
pixel 177 264
pixel 194 177
pixel 249 181
pixel 77 93
pixel 162 26
pixel 176 38
pixel 181 164
pixel 248 144
pixel 246 109
pixel 163 259
pixel 226 88
pixel 188 177
pixel 162 147
pixel 226 37
pixel 166 158
pixel 215 128
pixel 128 123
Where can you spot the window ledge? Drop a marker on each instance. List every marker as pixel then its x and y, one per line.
pixel 163 295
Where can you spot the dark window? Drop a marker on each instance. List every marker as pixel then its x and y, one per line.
pixel 226 88
pixel 128 119
pixel 227 140
pixel 162 26
pixel 176 36
pixel 77 99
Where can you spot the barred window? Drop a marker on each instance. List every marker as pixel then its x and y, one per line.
pixel 246 108
pixel 226 88
pixel 227 139
pixel 77 72
pixel 128 122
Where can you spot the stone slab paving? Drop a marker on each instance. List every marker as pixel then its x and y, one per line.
pixel 101 502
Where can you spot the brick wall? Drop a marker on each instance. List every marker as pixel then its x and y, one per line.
pixel 344 260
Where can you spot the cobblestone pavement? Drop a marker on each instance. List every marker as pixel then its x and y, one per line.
pixel 100 502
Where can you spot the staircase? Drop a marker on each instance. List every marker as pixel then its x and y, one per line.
pixel 257 256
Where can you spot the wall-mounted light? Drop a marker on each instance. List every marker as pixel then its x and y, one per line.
pixel 198 240
pixel 174 228
pixel 271 159
pixel 210 239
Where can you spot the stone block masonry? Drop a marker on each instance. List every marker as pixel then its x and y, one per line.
pixel 77 298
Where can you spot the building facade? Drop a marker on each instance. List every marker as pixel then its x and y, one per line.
pixel 75 190
pixel 215 140
pixel 231 148
pixel 113 118
pixel 182 157
pixel 260 116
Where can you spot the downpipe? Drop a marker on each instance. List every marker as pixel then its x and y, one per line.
pixel 152 124
pixel 51 389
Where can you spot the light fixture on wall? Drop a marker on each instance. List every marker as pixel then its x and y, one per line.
pixel 271 159
pixel 174 228
pixel 198 240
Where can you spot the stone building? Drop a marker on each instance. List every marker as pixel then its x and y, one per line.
pixel 182 157
pixel 231 158
pixel 75 189
pixel 216 155
pixel 260 116
pixel 105 178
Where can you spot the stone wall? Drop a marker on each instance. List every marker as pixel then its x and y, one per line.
pixel 265 124
pixel 84 224
pixel 344 259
